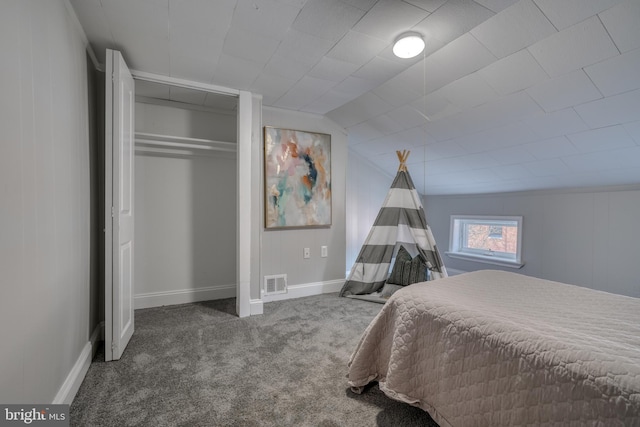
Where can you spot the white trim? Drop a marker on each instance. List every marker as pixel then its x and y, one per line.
pixel 71 385
pixel 244 172
pixel 183 296
pixel 257 307
pixel 188 84
pixel 306 290
pixel 485 260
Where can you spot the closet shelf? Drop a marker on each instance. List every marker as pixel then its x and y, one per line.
pixel 183 142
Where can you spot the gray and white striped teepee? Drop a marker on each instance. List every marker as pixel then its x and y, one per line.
pixel 401 221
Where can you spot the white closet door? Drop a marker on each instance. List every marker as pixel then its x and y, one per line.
pixel 119 193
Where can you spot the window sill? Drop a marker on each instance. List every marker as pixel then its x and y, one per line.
pixel 485 259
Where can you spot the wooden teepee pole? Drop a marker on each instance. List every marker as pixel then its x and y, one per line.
pixel 402 156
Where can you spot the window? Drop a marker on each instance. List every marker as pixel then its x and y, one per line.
pixel 490 239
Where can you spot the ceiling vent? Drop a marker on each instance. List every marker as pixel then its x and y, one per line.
pixel 275 284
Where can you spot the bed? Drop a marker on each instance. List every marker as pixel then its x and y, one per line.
pixel 493 348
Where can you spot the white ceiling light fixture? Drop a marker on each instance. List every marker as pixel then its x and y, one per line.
pixel 408 45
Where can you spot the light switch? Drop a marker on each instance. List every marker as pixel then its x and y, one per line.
pixel 306 253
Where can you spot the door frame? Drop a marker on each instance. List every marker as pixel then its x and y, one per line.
pixel 244 208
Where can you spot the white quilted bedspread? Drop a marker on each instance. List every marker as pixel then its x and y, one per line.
pixel 492 348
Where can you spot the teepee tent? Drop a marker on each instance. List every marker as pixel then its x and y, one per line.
pixel 400 223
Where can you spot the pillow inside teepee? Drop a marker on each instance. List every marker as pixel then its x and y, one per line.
pixel 407 270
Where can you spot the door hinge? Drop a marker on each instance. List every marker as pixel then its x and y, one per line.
pixel 113 211
pixel 113 346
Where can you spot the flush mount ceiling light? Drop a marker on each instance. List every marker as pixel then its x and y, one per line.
pixel 408 45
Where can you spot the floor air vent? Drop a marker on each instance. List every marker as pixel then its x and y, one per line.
pixel 276 284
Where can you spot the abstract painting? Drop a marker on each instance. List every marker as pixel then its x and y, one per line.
pixel 297 169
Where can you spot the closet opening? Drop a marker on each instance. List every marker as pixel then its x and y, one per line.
pixel 186 194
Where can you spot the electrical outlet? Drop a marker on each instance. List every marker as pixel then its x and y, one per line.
pixel 323 251
pixel 306 253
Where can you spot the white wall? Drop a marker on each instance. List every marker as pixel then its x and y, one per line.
pixel 367 188
pixel 281 250
pixel 44 200
pixel 185 226
pixel 583 237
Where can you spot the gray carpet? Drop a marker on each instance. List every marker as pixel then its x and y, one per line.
pixel 200 365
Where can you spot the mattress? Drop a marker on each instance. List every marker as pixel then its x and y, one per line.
pixel 493 348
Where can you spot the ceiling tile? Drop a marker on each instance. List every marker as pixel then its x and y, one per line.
pixel 387 19
pixel 379 69
pixel 515 171
pixel 434 107
pixel 327 19
pixel 546 167
pixel 496 5
pixel 359 110
pixel 415 137
pixel 566 13
pixel 246 45
pixel 457 59
pixel 400 90
pixel 576 47
pixel 497 138
pixel 612 110
pixel 557 123
pixel 288 68
pixel 469 91
pixel 271 86
pixel 513 73
pixel 302 47
pixel 202 16
pixel 607 138
pixel 363 132
pixel 428 5
pixel 143 18
pixel 590 162
pixel 199 69
pixel 513 29
pixel 618 74
pixel 444 149
pixel 509 156
pixel 453 19
pixel 571 89
pixel 495 114
pixel 269 18
pixel 306 90
pixel 622 24
pixel 357 48
pixel 385 124
pixel 327 102
pixel 360 4
pixel 354 86
pixel 550 148
pixel 332 69
pixel 407 116
pixel 633 129
pixel 235 72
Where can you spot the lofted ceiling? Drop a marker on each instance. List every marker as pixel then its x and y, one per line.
pixel 508 95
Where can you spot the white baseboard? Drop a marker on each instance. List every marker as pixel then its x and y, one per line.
pixel 183 296
pixel 71 385
pixel 257 307
pixel 306 290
